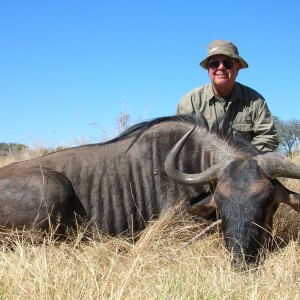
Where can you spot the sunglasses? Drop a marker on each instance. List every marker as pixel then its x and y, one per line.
pixel 214 64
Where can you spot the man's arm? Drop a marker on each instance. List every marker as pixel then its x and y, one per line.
pixel 265 134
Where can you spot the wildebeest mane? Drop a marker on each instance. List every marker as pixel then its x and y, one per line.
pixel 135 131
pixel 138 129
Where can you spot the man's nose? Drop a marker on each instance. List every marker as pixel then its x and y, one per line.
pixel 221 66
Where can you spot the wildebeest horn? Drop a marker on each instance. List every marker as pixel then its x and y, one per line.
pixel 208 176
pixel 278 167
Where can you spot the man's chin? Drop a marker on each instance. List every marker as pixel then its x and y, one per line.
pixel 222 82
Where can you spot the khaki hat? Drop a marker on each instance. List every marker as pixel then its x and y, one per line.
pixel 224 48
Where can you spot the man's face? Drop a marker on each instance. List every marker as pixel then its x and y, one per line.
pixel 220 75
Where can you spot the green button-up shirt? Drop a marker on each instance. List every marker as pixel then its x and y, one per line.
pixel 246 114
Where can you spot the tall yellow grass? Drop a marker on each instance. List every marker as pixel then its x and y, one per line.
pixel 39 267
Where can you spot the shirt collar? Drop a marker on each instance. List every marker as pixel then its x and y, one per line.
pixel 236 93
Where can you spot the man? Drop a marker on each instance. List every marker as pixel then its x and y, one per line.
pixel 241 110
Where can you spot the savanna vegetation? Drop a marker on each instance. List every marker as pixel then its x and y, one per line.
pixel 288 135
pixel 89 265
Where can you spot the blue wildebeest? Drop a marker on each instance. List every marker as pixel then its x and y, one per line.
pixel 125 182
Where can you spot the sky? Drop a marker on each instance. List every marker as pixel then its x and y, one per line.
pixel 68 69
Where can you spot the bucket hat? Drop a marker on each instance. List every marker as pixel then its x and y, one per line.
pixel 225 48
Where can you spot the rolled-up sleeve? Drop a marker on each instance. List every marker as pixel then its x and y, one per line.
pixel 265 134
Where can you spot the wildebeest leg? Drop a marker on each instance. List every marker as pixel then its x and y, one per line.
pixel 37 198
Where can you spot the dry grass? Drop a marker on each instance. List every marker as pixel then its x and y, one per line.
pixel 38 267
pixel 152 268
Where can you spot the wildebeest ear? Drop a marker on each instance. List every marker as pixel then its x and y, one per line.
pixel 294 201
pixel 204 208
pixel 284 195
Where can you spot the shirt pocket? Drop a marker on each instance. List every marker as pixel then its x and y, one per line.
pixel 243 130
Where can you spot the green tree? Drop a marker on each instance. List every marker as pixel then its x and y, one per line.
pixel 288 134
